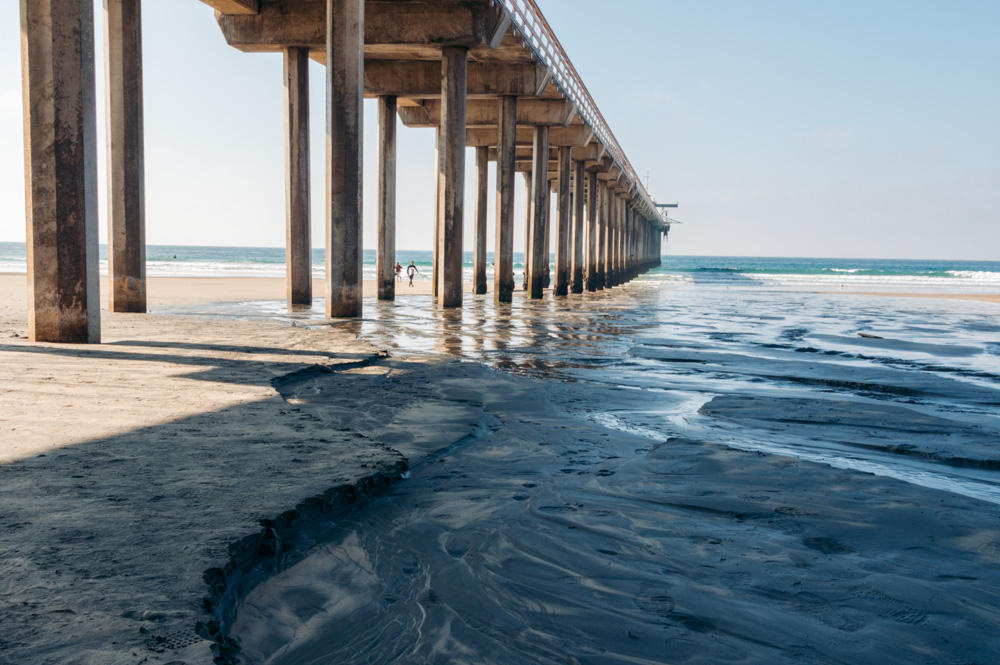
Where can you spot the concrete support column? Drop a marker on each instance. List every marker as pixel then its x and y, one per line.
pixel 345 82
pixel 126 163
pixel 528 180
pixel 385 253
pixel 620 240
pixel 60 163
pixel 612 268
pixel 636 227
pixel 451 166
pixel 649 245
pixel 298 242
pixel 438 185
pixel 602 235
pixel 644 243
pixel 503 252
pixel 546 277
pixel 576 261
pixel 629 243
pixel 593 203
pixel 539 210
pixel 564 219
pixel 482 194
pixel 622 257
pixel 639 225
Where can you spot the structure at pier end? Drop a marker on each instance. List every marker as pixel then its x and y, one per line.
pixel 488 74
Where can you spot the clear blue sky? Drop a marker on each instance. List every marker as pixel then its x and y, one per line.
pixel 854 128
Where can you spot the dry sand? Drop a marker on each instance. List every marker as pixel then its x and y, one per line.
pixel 142 477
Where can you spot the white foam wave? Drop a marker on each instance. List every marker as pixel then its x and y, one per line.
pixel 988 280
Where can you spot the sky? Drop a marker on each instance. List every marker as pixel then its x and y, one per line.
pixel 853 129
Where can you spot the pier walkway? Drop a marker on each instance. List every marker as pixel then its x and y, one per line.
pixel 488 74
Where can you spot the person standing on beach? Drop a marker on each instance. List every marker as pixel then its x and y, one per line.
pixel 411 270
pixel 399 271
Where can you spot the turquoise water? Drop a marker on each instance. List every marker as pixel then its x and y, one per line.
pixel 857 274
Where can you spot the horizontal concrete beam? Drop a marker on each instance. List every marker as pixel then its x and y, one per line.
pixel 407 26
pixel 601 165
pixel 484 114
pixel 422 79
pixel 576 136
pixel 525 154
pixel 234 6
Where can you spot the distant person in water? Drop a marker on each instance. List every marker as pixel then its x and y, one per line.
pixel 399 271
pixel 411 270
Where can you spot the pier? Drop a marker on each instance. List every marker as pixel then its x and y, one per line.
pixel 486 74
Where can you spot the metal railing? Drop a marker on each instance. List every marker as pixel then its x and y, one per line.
pixel 528 20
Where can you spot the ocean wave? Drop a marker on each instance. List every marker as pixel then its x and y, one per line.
pixel 976 275
pixel 858 278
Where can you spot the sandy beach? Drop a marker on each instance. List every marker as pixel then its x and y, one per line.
pixel 979 297
pixel 203 480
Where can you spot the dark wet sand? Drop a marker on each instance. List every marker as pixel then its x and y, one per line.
pixel 547 538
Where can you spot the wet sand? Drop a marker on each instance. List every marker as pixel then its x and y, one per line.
pixel 550 539
pixel 540 520
pixel 980 297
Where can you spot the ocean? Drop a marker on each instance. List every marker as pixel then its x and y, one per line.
pixel 849 274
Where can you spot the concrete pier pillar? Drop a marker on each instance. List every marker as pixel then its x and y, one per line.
pixel 638 225
pixel 546 276
pixel 451 166
pixel 482 195
pixel 629 243
pixel 539 210
pixel 647 242
pixel 612 275
pixel 635 243
pixel 345 25
pixel 60 162
pixel 643 237
pixel 576 261
pixel 593 203
pixel 438 185
pixel 503 251
pixel 528 180
pixel 602 235
pixel 125 156
pixel 385 254
pixel 646 254
pixel 619 240
pixel 564 220
pixel 298 241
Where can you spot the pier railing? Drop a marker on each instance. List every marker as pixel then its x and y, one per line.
pixel 528 20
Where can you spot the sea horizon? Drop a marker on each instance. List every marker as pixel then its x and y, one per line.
pixel 935 275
